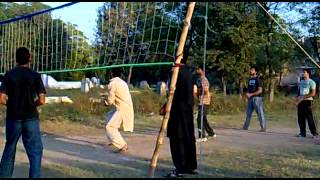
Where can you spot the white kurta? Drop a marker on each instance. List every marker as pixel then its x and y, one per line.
pixel 119 96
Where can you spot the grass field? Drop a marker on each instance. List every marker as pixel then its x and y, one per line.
pixel 225 163
pixel 83 118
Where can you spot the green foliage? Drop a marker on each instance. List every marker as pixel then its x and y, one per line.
pixel 146 102
pixel 233 104
pixel 54 44
pixel 82 110
pixel 136 33
pixel 231 36
pixel 10 9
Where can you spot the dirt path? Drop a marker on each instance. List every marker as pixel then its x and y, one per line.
pixel 67 150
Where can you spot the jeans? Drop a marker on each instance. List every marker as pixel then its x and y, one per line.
pixel 255 103
pixel 31 137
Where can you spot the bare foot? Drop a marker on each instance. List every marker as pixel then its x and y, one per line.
pixel 123 149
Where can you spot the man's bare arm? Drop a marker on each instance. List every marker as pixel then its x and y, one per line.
pixel 259 91
pixel 3 99
pixel 41 100
pixel 311 94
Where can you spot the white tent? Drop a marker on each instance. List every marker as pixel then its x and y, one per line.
pixel 50 82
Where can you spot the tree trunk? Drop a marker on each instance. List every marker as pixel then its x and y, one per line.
pixel 271 90
pixel 270 85
pixel 269 26
pixel 318 93
pixel 240 88
pixel 315 46
pixel 280 77
pixel 224 86
pixel 129 75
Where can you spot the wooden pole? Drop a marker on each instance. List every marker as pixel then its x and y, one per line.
pixel 174 77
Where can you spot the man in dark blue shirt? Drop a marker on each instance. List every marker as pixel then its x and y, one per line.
pixel 254 92
pixel 22 91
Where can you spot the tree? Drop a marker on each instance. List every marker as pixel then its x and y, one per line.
pixel 136 33
pixel 309 20
pixel 231 39
pixel 277 48
pixel 54 44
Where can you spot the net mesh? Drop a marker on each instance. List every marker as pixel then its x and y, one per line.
pixel 127 34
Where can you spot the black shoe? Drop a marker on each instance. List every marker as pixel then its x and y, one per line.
pixel 301 135
pixel 173 174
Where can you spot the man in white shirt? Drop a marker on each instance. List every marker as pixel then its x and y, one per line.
pixel 119 97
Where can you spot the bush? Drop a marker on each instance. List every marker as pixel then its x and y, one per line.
pixel 145 101
pixel 233 104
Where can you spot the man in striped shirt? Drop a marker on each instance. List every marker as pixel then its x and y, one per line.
pixel 201 91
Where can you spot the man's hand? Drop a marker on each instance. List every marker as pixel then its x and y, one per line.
pixel 259 91
pixel 40 100
pixel 105 102
pixel 298 99
pixel 3 99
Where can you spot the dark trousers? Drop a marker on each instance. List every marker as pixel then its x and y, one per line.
pixel 30 131
pixel 205 126
pixel 305 113
pixel 184 155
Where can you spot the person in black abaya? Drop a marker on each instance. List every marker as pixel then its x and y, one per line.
pixel 180 129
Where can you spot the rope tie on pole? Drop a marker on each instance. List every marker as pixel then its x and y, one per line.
pixel 177 65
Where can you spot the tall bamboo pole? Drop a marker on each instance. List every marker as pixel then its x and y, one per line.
pixel 174 77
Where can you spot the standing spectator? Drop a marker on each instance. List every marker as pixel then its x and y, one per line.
pixel 307 90
pixel 203 94
pixel 254 92
pixel 18 91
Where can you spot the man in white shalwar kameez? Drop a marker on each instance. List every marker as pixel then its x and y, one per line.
pixel 119 97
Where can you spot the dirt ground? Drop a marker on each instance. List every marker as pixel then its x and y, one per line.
pixel 67 148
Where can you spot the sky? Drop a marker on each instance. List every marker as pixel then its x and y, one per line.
pixel 83 14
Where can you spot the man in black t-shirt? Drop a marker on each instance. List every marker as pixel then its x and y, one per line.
pixel 254 92
pixel 22 91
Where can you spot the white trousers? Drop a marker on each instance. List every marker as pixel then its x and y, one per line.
pixel 113 122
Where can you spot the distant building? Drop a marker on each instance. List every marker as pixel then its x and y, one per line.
pixel 294 77
pixel 289 83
